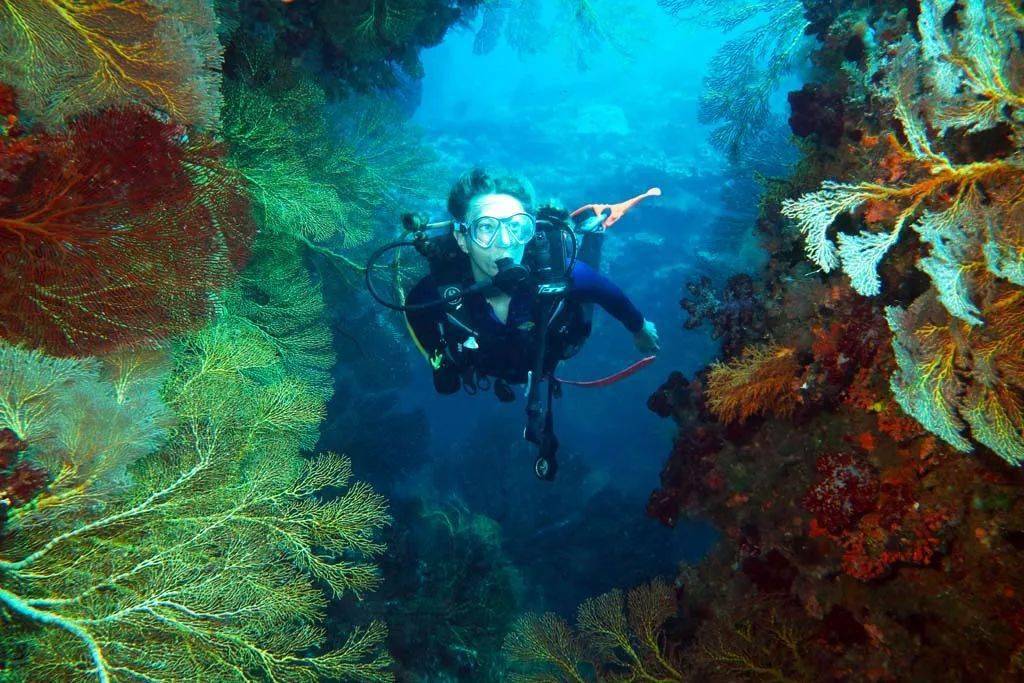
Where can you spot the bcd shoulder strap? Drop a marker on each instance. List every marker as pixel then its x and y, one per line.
pixel 456 327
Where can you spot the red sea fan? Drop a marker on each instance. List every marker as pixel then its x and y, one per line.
pixel 105 240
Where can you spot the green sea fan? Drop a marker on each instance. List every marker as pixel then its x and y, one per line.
pixel 378 164
pixel 971 77
pixel 925 386
pixel 745 71
pixel 951 376
pixel 618 636
pixel 276 299
pixel 268 149
pixel 958 368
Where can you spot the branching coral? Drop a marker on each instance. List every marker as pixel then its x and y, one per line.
pixel 617 642
pixel 760 643
pixel 66 58
pixel 760 381
pixel 203 566
pixel 108 243
pixel 745 72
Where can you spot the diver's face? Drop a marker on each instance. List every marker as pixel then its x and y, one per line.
pixel 484 260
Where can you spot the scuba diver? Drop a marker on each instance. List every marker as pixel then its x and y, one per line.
pixel 501 272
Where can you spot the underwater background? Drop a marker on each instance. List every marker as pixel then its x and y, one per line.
pixel 222 460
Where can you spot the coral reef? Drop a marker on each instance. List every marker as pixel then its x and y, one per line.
pixel 736 316
pixel 162 515
pixel 960 197
pixel 859 542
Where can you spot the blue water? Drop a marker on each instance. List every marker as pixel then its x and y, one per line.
pixel 603 134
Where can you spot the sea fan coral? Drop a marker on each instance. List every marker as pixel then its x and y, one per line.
pixel 227 519
pixel 745 71
pixel 760 381
pixel 68 58
pixel 105 241
pixel 971 87
pixel 86 421
pixel 965 203
pixel 612 639
pixel 276 299
pixel 952 374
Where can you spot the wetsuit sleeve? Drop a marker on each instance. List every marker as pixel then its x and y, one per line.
pixel 424 327
pixel 589 286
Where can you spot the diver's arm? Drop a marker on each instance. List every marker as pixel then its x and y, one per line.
pixel 589 286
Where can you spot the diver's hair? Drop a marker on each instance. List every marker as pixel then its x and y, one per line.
pixel 481 181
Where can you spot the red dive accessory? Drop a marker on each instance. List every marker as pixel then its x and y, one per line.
pixel 610 379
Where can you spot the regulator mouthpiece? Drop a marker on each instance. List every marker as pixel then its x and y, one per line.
pixel 511 275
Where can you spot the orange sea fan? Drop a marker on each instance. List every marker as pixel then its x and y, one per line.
pixel 67 58
pixel 760 381
pixel 105 239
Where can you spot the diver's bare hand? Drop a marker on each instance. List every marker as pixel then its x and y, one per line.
pixel 646 339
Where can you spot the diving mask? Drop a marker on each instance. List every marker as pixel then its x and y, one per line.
pixel 520 228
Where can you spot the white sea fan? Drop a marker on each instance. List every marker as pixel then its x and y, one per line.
pixel 943 76
pixel 922 396
pixel 861 254
pixel 952 234
pixel 816 211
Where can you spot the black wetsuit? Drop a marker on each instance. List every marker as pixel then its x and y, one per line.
pixel 505 350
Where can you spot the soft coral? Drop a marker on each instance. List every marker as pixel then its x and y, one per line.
pixel 106 240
